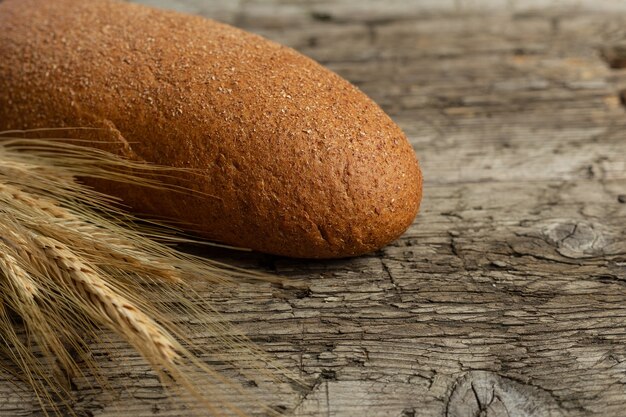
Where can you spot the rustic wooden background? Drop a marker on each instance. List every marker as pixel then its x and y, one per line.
pixel 507 296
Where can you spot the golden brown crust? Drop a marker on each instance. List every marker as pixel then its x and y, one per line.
pixel 299 162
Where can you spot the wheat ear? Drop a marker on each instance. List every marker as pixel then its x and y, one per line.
pixel 71 263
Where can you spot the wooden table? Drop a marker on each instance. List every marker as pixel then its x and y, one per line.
pixel 507 296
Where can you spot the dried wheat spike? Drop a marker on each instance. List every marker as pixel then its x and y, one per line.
pixel 72 263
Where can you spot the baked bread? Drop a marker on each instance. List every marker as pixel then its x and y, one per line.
pixel 292 159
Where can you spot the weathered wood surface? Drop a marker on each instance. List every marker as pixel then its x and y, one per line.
pixel 507 296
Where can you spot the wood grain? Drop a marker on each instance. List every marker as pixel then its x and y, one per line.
pixel 507 296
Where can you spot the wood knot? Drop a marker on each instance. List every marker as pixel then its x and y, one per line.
pixel 576 239
pixel 614 55
pixel 486 394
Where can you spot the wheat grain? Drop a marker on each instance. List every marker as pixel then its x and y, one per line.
pixel 24 285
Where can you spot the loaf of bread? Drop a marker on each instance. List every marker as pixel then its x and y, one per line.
pixel 289 158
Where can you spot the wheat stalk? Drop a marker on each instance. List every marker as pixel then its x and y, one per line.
pixel 71 263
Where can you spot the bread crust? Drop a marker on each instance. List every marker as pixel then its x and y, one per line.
pixel 293 159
